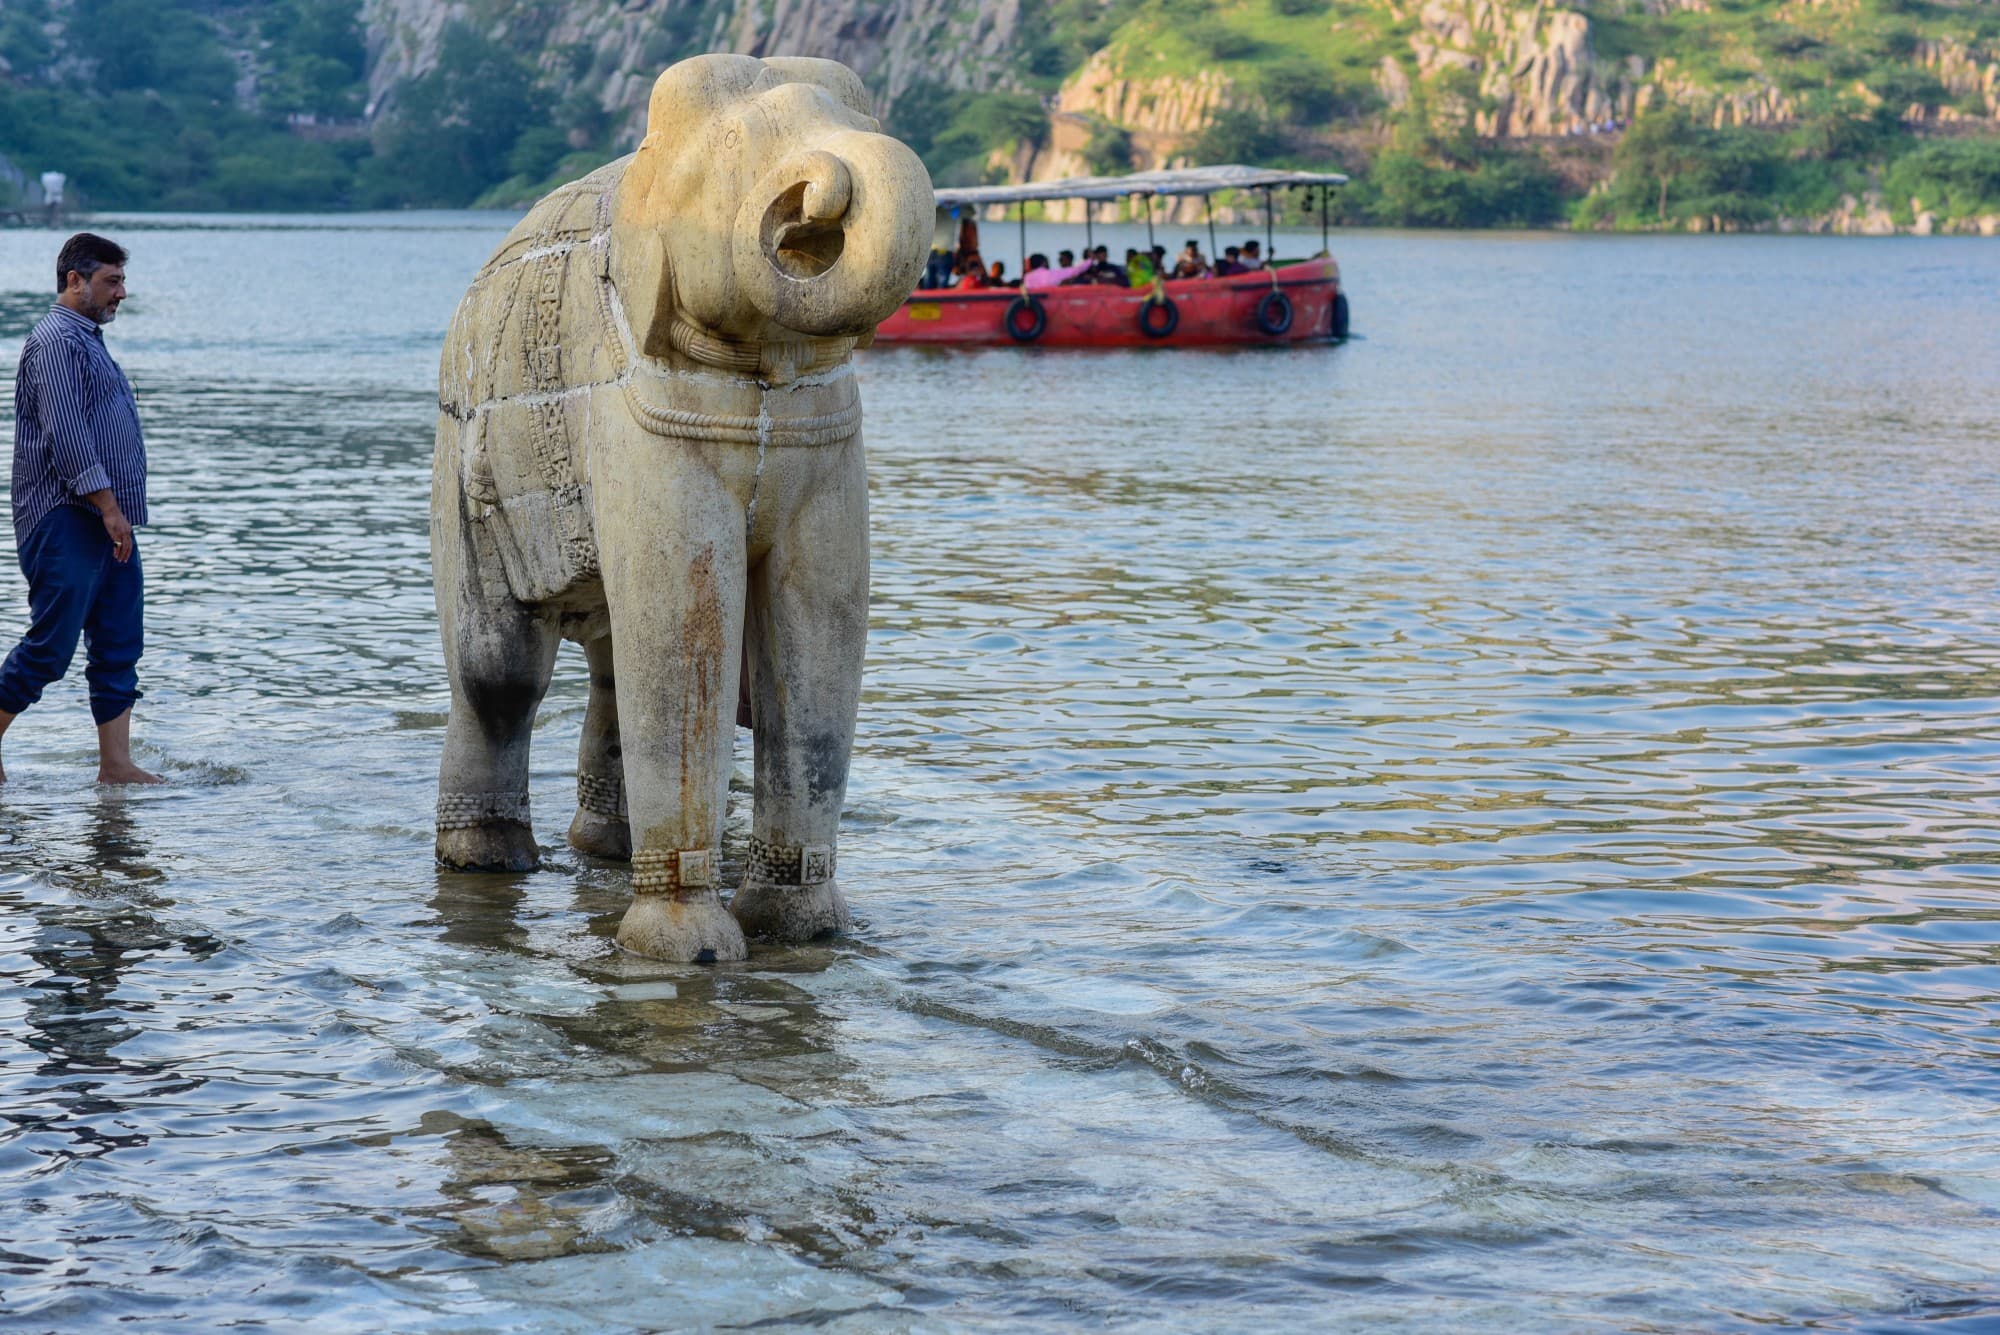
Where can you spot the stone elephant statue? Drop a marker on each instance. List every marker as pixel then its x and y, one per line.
pixel 649 442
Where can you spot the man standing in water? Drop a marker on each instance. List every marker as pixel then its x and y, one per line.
pixel 79 488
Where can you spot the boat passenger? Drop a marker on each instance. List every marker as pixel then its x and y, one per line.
pixel 937 270
pixel 1253 256
pixel 1192 263
pixel 1230 263
pixel 997 275
pixel 974 275
pixel 1102 272
pixel 1139 268
pixel 1040 277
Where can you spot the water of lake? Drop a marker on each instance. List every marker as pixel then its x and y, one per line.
pixel 1495 825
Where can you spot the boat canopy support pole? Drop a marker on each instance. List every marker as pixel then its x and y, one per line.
pixel 1149 224
pixel 1021 219
pixel 1325 247
pixel 1270 245
pixel 1208 207
pixel 1088 244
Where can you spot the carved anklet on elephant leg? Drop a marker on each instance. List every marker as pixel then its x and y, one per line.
pixel 600 826
pixel 485 831
pixel 675 913
pixel 789 892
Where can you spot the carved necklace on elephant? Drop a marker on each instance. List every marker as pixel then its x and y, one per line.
pixel 649 388
pixel 756 360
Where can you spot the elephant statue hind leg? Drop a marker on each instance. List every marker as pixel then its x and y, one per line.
pixel 601 827
pixel 500 654
pixel 482 816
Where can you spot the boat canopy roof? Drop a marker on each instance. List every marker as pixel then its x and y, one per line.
pixel 1167 181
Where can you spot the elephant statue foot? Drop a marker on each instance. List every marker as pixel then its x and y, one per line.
pixel 691 929
pixel 791 913
pixel 486 832
pixel 600 836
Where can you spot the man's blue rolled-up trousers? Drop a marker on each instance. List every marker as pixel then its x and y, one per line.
pixel 76 589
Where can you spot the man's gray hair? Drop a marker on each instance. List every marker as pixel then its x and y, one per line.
pixel 86 253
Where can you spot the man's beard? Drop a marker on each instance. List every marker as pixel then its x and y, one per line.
pixel 100 314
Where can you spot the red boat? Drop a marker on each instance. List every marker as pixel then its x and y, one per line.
pixel 1286 302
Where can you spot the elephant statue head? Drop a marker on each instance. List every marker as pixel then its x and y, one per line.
pixel 765 205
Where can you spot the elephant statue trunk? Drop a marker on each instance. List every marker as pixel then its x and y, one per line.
pixel 649 442
pixel 810 258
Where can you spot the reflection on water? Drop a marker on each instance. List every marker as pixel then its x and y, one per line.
pixel 1490 826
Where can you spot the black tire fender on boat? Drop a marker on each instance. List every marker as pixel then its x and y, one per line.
pixel 1274 313
pixel 1037 323
pixel 1169 320
pixel 1337 326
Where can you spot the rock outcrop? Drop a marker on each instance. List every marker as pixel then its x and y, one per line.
pixel 616 48
pixel 1538 74
pixel 1535 69
pixel 1968 75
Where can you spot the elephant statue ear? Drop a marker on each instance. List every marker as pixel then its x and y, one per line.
pixel 831 75
pixel 693 90
pixel 636 259
pixel 684 96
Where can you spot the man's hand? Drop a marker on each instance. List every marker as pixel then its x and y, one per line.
pixel 116 527
pixel 121 535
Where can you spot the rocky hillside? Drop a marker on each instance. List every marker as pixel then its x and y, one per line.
pixel 610 50
pixel 1519 102
pixel 1161 69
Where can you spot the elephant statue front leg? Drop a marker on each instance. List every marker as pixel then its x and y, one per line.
pixel 600 826
pixel 672 553
pixel 809 632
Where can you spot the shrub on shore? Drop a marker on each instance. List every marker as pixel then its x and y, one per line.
pixel 1668 171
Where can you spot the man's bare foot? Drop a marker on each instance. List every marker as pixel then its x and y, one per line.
pixel 114 753
pixel 126 773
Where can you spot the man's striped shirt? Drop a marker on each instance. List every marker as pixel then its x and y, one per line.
pixel 76 425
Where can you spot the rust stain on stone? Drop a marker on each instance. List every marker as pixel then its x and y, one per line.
pixel 703 640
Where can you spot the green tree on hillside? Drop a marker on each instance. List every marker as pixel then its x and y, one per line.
pixel 1307 93
pixel 1109 152
pixel 1954 177
pixel 954 131
pixel 155 45
pixel 456 129
pixel 1669 169
pixel 1437 173
pixel 1661 149
pixel 1237 134
pixel 319 62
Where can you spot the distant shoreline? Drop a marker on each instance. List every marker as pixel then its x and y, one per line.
pixel 1858 225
